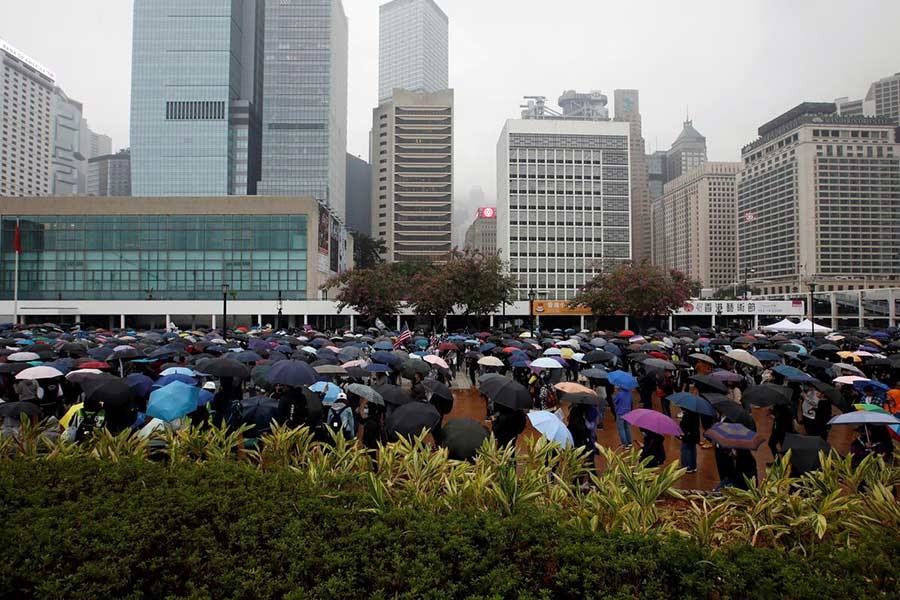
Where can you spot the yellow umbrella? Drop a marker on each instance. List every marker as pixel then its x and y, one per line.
pixel 850 355
pixel 527 334
pixel 567 353
pixel 70 414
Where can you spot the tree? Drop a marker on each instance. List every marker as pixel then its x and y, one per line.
pixel 432 293
pixel 480 282
pixel 636 289
pixel 373 292
pixel 367 251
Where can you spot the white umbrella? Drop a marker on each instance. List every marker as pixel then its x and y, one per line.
pixel 490 361
pixel 546 363
pixel 849 379
pixel 22 357
pixel 39 373
pixel 742 356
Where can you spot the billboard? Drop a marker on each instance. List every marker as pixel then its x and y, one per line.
pixel 324 243
pixel 743 307
pixel 334 262
pixel 486 212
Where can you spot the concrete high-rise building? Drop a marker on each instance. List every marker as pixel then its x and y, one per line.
pixel 359 195
pixel 656 174
pixel 65 141
pixel 855 108
pixel 304 144
pixel 688 151
pixel 412 175
pixel 110 175
pixel 628 110
pixel 884 94
pixel 694 224
pixel 819 199
pixel 196 97
pixel 91 145
pixel 564 201
pixel 26 124
pixel 413 53
pixel 481 236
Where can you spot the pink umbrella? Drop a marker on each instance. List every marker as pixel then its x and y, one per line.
pixel 654 421
pixel 354 363
pixel 436 360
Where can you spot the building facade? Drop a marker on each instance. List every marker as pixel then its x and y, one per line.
pixel 819 200
pixel 564 210
pixel 481 236
pixel 196 96
pixel 91 145
pixel 26 124
pixel 628 110
pixel 413 48
pixel 304 143
pixel 656 174
pixel 694 225
pixel 110 175
pixel 884 94
pixel 65 142
pixel 412 175
pixel 688 152
pixel 359 195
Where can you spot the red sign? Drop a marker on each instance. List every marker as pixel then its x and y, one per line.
pixel 749 217
pixel 487 213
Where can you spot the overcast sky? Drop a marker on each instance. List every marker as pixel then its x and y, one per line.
pixel 735 64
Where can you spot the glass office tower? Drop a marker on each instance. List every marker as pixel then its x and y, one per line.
pixel 195 99
pixel 304 125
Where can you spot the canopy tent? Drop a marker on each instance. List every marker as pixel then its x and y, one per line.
pixel 783 325
pixel 804 326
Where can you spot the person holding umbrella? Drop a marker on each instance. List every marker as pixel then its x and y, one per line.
pixel 690 426
pixel 623 403
pixel 653 425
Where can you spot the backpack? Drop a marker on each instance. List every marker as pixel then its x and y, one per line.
pixel 90 421
pixel 335 420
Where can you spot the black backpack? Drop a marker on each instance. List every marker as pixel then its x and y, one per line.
pixel 335 420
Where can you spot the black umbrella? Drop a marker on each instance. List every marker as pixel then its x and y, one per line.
pixel 411 419
pixel 708 383
pixel 768 394
pixel 226 367
pixel 259 412
pixel 260 377
pixel 14 409
pixel 13 367
pixel 414 367
pixel 595 373
pixel 506 392
pixel 818 363
pixel 804 452
pixel 463 437
pixel 598 356
pixel 731 410
pixel 393 394
pixel 73 349
pixel 115 394
pixel 441 396
pixel 582 398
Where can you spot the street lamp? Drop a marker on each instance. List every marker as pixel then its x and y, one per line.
pixel 747 282
pixel 532 296
pixel 812 305
pixel 225 288
pixel 279 305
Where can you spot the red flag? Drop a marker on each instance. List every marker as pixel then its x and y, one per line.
pixel 17 241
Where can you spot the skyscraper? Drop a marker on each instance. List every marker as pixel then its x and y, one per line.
pixel 91 145
pixel 304 142
pixel 65 141
pixel 819 199
pixel 25 124
pixel 110 175
pixel 413 50
pixel 412 186
pixel 628 110
pixel 563 210
pixel 195 97
pixel 481 236
pixel 688 151
pixel 885 94
pixel 359 195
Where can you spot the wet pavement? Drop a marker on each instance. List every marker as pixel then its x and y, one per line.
pixel 470 404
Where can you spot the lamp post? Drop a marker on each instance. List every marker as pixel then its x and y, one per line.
pixel 225 288
pixel 532 296
pixel 747 272
pixel 279 305
pixel 812 305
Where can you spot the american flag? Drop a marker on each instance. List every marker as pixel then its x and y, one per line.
pixel 433 341
pixel 405 336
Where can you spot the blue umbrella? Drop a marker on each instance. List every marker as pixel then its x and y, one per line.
pixel 292 373
pixel 331 391
pixel 387 346
pixel 173 401
pixel 178 371
pixel 862 417
pixel 623 380
pixel 551 427
pixel 166 380
pixel 486 347
pixel 693 403
pixel 765 356
pixel 248 357
pixel 880 388
pixel 789 372
pixel 377 368
pixel 386 358
pixel 140 384
pixel 804 378
pixel 204 398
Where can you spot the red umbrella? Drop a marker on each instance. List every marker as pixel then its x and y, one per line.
pixel 446 347
pixel 627 333
pixel 93 364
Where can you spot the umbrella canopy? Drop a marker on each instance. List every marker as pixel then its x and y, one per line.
pixel 365 392
pixel 693 403
pixel 546 363
pixel 42 372
pixel 110 391
pixel 568 387
pixel 436 361
pixel 734 435
pixel 178 371
pixel 330 370
pixel 598 356
pixel 140 383
pixel 438 389
pixel 850 380
pixel 15 409
pixel 412 419
pixel 393 394
pixel 731 410
pixel 659 364
pixel 742 356
pixel 702 358
pixel 226 367
pixel 623 380
pixel 862 417
pixel 490 361
pixel 595 373
pixel 173 401
pixel 708 383
pixel 259 412
pixel 412 367
pixel 506 392
pixel 463 437
pixel 727 376
pixel 804 452
pixel 551 427
pixel 23 357
pixel 768 394
pixel 786 371
pixel 292 373
pixel 654 421
pixel 80 375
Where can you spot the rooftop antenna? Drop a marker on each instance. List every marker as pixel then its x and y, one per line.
pixel 687 112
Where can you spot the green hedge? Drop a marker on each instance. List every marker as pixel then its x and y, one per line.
pixel 79 528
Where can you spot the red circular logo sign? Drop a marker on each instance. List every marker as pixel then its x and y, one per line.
pixel 488 213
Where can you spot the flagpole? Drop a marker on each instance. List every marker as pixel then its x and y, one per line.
pixel 16 278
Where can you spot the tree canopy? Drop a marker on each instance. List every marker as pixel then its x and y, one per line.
pixel 636 289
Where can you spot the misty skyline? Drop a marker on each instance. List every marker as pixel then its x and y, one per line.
pixel 733 67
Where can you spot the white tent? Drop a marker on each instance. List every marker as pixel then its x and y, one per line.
pixel 783 325
pixel 806 325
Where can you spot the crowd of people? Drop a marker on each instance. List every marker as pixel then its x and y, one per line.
pixel 376 386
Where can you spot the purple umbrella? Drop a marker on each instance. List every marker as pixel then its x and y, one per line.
pixel 727 376
pixel 734 435
pixel 654 421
